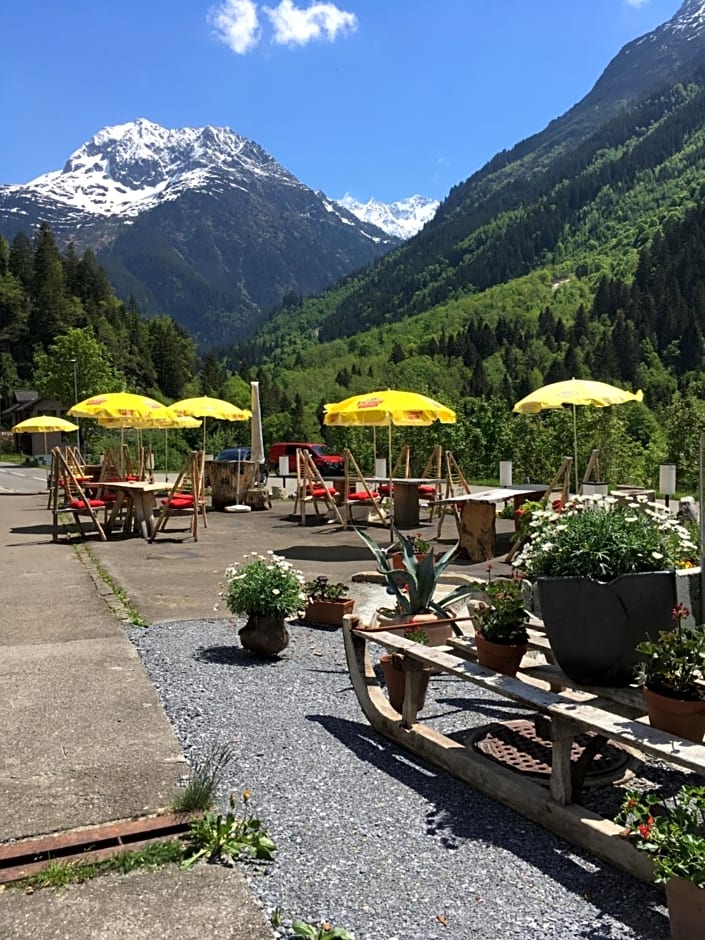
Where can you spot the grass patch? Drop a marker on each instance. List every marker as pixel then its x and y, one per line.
pixel 151 857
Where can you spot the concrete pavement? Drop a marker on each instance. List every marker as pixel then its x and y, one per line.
pixel 85 738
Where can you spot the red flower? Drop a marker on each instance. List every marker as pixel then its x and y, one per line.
pixel 645 828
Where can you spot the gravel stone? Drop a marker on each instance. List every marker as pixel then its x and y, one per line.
pixel 369 837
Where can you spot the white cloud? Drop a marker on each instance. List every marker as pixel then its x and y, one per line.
pixel 296 26
pixel 636 3
pixel 235 24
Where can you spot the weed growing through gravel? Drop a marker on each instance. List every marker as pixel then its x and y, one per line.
pixel 216 837
pixel 205 777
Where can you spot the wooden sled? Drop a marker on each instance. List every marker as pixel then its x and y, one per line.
pixel 610 714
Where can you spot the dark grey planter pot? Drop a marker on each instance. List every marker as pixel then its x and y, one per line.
pixel 594 627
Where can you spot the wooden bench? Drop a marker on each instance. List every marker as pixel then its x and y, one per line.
pixel 614 715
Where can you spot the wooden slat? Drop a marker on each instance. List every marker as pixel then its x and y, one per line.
pixel 587 717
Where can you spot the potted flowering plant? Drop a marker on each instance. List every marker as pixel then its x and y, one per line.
pixel 268 589
pixel 419 546
pixel 500 620
pixel 603 570
pixel 673 664
pixel 672 832
pixel 413 588
pixel 327 602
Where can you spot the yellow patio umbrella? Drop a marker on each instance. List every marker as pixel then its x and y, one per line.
pixel 158 422
pixel 120 405
pixel 386 408
pixel 43 424
pixel 575 392
pixel 206 407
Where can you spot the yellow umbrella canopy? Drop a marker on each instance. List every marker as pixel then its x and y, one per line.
pixel 120 405
pixel 388 407
pixel 43 424
pixel 575 392
pixel 206 407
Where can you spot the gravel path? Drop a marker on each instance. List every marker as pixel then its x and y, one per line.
pixel 367 836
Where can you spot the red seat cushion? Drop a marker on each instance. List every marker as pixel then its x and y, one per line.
pixel 426 489
pixel 320 492
pixel 385 489
pixel 79 504
pixel 362 496
pixel 178 502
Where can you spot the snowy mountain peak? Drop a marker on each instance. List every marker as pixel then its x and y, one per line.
pixel 126 169
pixel 402 219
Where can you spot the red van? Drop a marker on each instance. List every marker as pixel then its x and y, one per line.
pixel 326 463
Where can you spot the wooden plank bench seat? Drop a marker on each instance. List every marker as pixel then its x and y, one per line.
pixel 615 715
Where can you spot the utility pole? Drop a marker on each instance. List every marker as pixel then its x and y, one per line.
pixel 75 397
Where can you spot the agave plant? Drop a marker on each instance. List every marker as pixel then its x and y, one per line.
pixel 414 585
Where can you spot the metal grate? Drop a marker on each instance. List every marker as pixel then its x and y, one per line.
pixel 518 746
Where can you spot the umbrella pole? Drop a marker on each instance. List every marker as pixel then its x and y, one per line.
pixel 166 455
pixel 391 493
pixel 575 449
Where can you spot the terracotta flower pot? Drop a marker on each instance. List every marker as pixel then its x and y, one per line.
pixel 438 633
pixel 395 680
pixel 397 559
pixel 686 909
pixel 682 717
pixel 328 613
pixel 267 636
pixel 501 657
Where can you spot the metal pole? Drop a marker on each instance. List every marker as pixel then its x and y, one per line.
pixel 75 396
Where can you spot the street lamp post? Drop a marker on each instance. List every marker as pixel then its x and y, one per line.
pixel 74 361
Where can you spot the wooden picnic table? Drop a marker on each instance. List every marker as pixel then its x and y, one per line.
pixel 406 497
pixel 138 498
pixel 477 516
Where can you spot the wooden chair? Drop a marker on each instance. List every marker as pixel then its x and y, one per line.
pixel 187 496
pixel 433 468
pixel 456 485
pixel 357 491
pixel 311 488
pixel 68 495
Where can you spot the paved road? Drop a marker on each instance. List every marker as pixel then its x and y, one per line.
pixel 17 479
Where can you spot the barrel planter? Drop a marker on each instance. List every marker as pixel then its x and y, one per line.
pixel 594 627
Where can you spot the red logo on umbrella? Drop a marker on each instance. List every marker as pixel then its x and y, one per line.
pixel 369 403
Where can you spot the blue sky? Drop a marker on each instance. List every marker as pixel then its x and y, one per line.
pixel 380 98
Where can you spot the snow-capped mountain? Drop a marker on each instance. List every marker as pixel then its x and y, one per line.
pixel 197 222
pixel 129 168
pixel 402 219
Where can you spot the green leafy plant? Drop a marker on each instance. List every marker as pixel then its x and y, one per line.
pixel 219 837
pixel 503 618
pixel 416 635
pixel 419 545
pixel 265 586
pixel 675 660
pixel 204 779
pixel 603 538
pixel 671 830
pixel 321 589
pixel 323 931
pixel 413 586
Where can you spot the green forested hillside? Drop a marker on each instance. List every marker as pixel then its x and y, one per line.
pixel 590 267
pixel 46 295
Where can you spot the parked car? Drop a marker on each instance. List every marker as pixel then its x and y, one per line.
pixel 242 454
pixel 326 463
